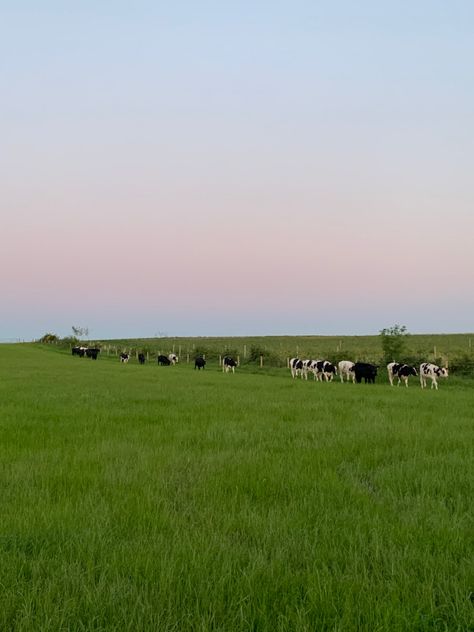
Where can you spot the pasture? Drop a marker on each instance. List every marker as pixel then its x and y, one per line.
pixel 163 498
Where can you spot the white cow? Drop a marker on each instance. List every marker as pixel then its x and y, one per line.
pixel 433 372
pixel 346 368
pixel 173 358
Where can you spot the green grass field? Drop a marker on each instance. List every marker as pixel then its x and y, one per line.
pixel 162 498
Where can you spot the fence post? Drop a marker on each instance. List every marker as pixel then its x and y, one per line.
pixel 288 363
pixel 220 360
pixel 245 351
pixel 238 360
pixel 187 358
pixel 434 352
pixel 147 356
pixel 261 361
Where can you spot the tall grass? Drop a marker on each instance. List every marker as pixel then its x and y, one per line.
pixel 162 498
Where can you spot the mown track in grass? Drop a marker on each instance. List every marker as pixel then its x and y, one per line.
pixel 166 498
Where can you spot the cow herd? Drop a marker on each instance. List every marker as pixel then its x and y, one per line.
pixel 323 370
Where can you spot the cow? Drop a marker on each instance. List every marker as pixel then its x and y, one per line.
pixel 92 353
pixel 163 360
pixel 365 371
pixel 322 370
pixel 401 371
pixel 173 358
pixel 329 371
pixel 199 363
pixel 141 358
pixel 124 357
pixel 80 351
pixel 346 368
pixel 433 372
pixel 228 364
pixel 296 367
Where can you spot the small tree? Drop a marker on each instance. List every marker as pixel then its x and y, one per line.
pixel 80 331
pixel 393 342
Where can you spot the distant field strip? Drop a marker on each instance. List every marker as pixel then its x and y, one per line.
pixel 163 498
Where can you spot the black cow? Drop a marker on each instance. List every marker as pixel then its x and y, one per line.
pixel 92 353
pixel 228 364
pixel 141 358
pixel 199 363
pixel 124 357
pixel 163 360
pixel 365 371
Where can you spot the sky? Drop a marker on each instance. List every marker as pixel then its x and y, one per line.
pixel 236 168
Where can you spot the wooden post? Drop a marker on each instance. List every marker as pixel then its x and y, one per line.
pixel 434 352
pixel 187 358
pixel 136 354
pixel 261 361
pixel 245 351
pixel 220 360
pixel 288 363
pixel 238 360
pixel 147 356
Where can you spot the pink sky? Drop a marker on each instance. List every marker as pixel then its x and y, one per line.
pixel 211 175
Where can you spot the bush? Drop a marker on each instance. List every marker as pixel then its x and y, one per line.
pixel 49 338
pixel 462 365
pixel 270 358
pixel 70 341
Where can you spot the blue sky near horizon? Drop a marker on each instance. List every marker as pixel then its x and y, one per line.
pixel 236 168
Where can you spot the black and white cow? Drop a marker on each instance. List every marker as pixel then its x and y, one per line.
pixel 296 367
pixel 432 372
pixel 228 364
pixel 322 370
pixel 401 371
pixel 79 351
pixel 141 358
pixel 173 358
pixel 124 357
pixel 163 360
pixel 92 352
pixel 346 368
pixel 199 363
pixel 329 371
pixel 365 371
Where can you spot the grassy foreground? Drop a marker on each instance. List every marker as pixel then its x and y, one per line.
pixel 160 498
